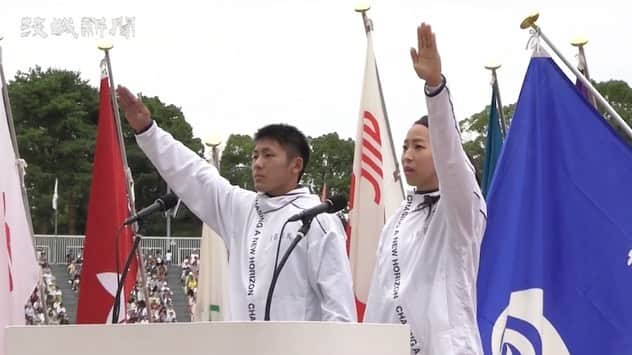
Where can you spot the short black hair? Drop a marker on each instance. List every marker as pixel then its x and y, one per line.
pixel 422 121
pixel 290 138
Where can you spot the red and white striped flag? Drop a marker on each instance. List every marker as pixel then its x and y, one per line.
pixel 18 266
pixel 376 187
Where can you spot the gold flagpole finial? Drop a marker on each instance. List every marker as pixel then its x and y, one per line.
pixel 213 139
pixel 362 7
pixel 579 41
pixel 492 65
pixel 530 20
pixel 105 45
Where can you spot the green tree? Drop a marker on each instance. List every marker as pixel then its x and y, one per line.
pixel 55 114
pixel 619 94
pixel 331 162
pixel 474 130
pixel 236 160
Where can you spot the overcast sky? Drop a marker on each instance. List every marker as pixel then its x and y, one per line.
pixel 233 66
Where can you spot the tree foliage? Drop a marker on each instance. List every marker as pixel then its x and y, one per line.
pixel 331 162
pixel 236 160
pixel 474 128
pixel 55 114
pixel 619 94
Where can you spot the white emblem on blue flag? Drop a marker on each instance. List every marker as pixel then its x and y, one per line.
pixel 522 328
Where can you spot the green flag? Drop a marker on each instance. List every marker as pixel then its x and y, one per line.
pixel 493 144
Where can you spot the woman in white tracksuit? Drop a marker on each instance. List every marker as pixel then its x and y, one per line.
pixel 427 258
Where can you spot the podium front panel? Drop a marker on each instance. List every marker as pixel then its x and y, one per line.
pixel 262 338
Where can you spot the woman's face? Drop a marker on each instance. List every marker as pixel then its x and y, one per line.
pixel 417 159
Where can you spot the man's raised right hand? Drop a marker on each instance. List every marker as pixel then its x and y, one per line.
pixel 135 111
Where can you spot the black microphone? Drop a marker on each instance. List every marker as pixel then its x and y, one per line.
pixel 331 205
pixel 162 203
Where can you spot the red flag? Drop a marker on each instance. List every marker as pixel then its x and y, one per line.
pixel 376 188
pixel 18 267
pixel 107 209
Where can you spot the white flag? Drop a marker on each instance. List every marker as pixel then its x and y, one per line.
pixel 18 266
pixel 55 196
pixel 212 289
pixel 376 187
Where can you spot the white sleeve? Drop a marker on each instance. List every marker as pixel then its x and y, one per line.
pixel 196 182
pixel 330 271
pixel 457 181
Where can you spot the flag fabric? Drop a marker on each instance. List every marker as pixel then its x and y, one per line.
pixel 323 192
pixel 55 196
pixel 18 266
pixel 582 66
pixel 107 209
pixel 212 287
pixel 376 188
pixel 493 143
pixel 555 272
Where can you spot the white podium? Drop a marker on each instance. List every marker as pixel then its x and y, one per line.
pixel 229 338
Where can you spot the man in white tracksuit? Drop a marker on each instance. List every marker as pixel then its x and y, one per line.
pixel 427 258
pixel 315 284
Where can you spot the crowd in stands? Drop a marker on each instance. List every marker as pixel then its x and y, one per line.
pixel 47 296
pixel 160 304
pixel 73 266
pixel 189 278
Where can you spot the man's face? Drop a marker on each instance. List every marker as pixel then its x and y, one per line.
pixel 273 171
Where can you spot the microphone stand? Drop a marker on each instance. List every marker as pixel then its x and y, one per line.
pixel 121 284
pixel 307 222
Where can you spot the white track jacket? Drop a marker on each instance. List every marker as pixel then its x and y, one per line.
pixel 427 258
pixel 314 285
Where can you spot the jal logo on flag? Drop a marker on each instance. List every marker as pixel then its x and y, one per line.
pixel 7 233
pixel 371 151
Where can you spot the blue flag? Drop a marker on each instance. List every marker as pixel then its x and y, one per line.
pixel 555 273
pixel 493 144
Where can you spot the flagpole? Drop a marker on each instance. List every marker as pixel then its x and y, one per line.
pixel 368 28
pixel 21 165
pixel 55 198
pixel 495 88
pixel 105 47
pixel 580 43
pixel 168 226
pixel 529 22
